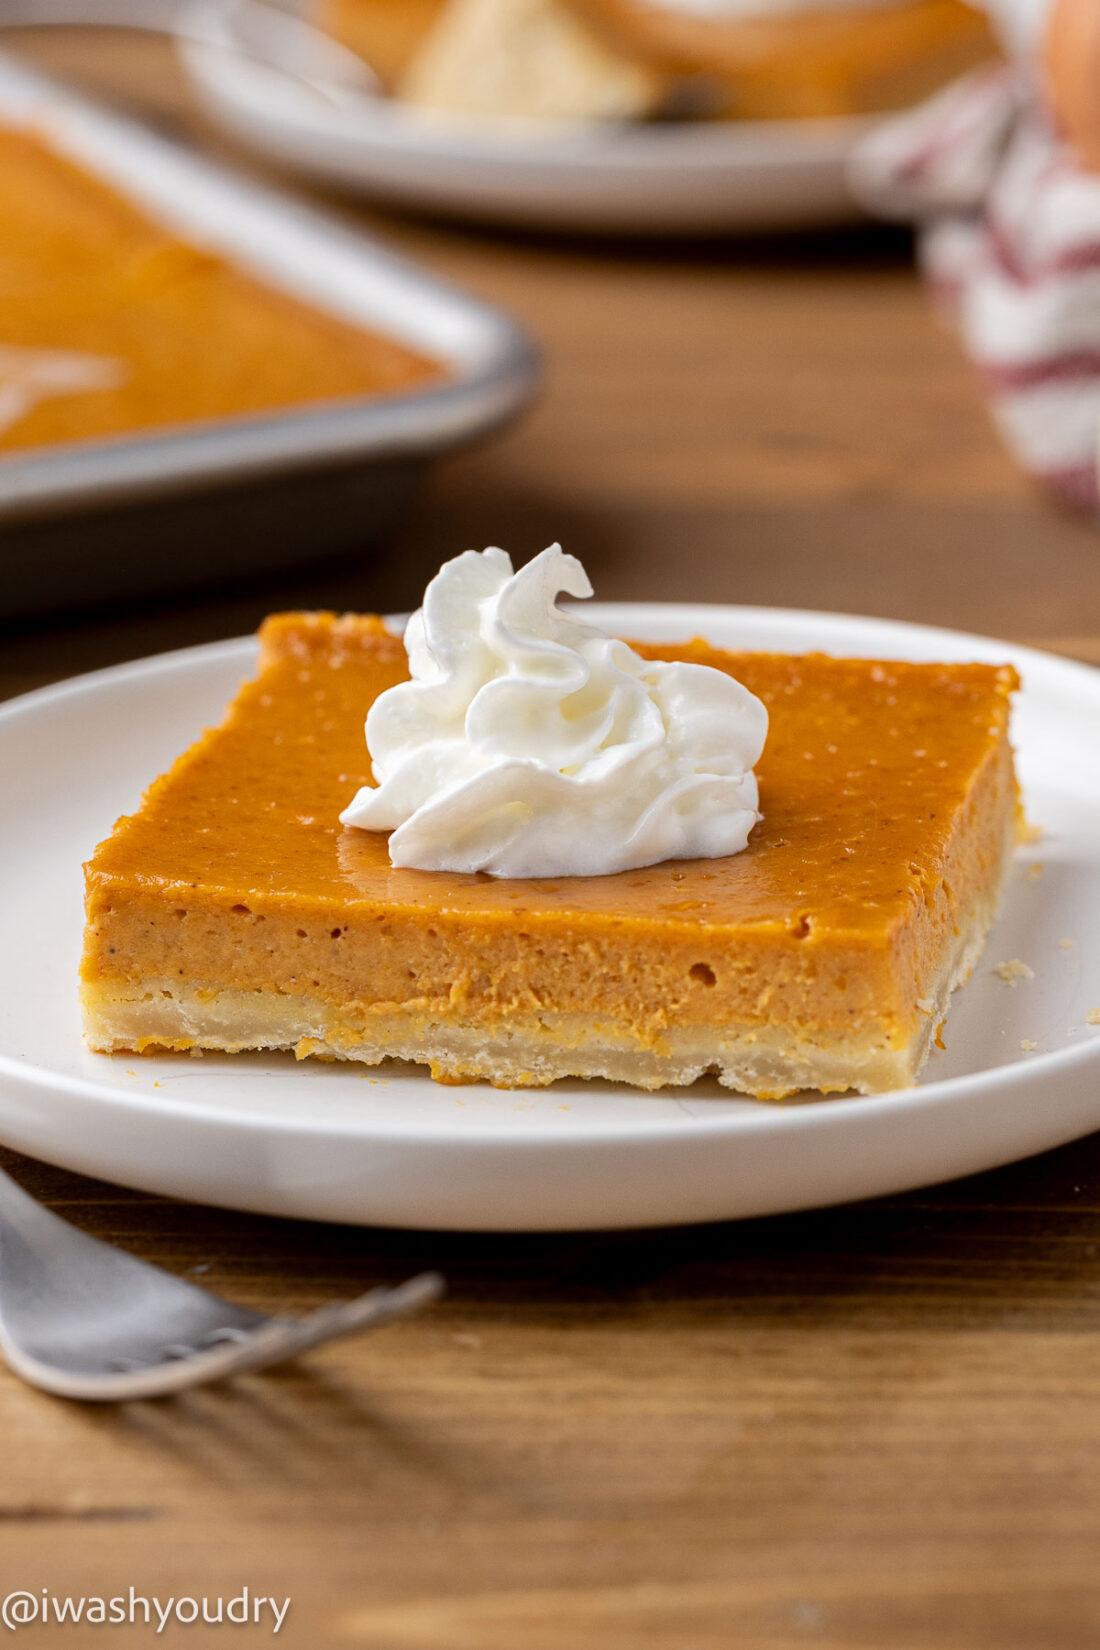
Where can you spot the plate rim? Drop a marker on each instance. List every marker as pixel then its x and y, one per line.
pixel 479 1133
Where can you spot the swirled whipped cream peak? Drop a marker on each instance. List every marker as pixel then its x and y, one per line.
pixel 527 743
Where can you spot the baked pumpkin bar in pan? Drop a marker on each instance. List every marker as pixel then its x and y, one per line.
pixel 112 325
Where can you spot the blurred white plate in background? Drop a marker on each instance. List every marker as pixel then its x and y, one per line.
pixel 648 178
pixel 387 1146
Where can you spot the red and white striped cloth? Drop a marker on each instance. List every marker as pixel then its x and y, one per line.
pixel 1010 241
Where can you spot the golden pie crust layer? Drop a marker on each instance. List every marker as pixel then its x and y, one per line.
pixel 188 336
pixel 233 910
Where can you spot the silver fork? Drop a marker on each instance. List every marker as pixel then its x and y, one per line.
pixel 84 1320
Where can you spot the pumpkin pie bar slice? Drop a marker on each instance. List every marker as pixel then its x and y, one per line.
pixel 233 911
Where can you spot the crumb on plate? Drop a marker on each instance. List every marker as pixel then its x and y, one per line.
pixel 1014 970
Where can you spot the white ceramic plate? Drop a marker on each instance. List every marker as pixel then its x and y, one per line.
pixel 388 1146
pixel 659 178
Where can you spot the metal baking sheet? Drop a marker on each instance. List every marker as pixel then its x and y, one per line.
pixel 58 501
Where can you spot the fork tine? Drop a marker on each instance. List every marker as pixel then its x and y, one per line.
pixel 285 1338
pixel 377 1306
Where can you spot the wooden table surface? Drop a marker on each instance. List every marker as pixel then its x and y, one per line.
pixel 873 1428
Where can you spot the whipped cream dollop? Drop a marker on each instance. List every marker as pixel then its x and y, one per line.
pixel 530 744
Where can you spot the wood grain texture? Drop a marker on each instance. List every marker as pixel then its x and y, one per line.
pixel 874 1428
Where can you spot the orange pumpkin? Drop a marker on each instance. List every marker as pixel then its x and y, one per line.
pixel 1071 63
